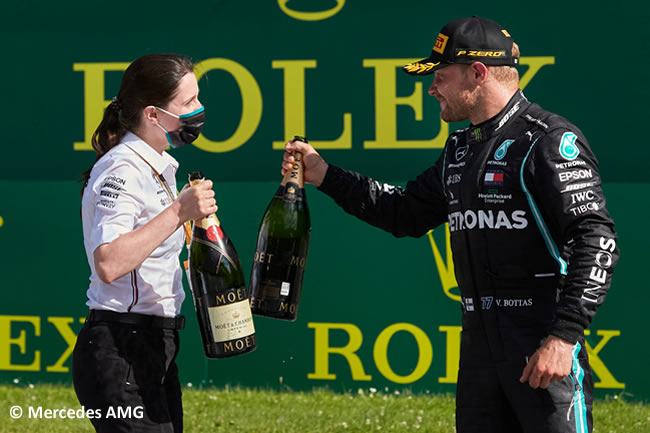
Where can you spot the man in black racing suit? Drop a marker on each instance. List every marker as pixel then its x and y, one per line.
pixel 533 244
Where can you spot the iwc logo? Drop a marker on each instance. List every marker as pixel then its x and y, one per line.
pixel 568 148
pixel 311 16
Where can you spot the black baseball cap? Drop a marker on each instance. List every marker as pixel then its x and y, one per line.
pixel 465 41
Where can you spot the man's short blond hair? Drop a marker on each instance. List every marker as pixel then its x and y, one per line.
pixel 507 74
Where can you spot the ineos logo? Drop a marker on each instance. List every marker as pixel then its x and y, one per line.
pixel 604 259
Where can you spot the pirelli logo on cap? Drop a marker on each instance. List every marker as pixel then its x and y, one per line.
pixel 480 53
pixel 505 32
pixel 441 43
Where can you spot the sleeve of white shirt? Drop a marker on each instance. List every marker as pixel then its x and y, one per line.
pixel 119 202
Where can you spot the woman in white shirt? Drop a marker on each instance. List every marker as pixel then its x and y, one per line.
pixel 133 234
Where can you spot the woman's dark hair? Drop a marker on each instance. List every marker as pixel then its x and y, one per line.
pixel 150 80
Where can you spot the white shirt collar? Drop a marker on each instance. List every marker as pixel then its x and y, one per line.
pixel 157 161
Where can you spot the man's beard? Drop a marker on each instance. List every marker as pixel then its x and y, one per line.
pixel 461 107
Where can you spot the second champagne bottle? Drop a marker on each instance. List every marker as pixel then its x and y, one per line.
pixel 282 244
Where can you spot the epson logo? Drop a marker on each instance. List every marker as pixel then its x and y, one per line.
pixel 470 220
pixel 575 175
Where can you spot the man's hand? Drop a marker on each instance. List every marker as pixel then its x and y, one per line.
pixel 314 166
pixel 550 363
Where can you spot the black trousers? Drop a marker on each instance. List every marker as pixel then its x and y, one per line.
pixel 127 376
pixel 490 398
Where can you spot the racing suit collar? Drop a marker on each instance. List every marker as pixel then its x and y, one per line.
pixel 486 130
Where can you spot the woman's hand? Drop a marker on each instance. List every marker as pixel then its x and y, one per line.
pixel 196 201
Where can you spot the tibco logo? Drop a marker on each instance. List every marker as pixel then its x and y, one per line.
pixel 470 219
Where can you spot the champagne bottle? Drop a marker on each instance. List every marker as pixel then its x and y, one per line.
pixel 218 288
pixel 281 253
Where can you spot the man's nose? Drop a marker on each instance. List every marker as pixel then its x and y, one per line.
pixel 432 89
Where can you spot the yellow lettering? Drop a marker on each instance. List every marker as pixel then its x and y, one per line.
pixel 221 299
pixel 534 65
pixel 425 357
pixel 445 271
pixel 311 16
pixel 294 107
pixel 62 324
pixel 323 350
pixel 251 99
pixel 607 380
pixel 6 341
pixel 453 353
pixel 94 97
pixel 228 347
pixel 386 103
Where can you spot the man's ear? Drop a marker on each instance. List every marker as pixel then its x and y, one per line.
pixel 478 72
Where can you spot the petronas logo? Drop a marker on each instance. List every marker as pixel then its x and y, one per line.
pixel 568 148
pixel 501 151
pixel 445 265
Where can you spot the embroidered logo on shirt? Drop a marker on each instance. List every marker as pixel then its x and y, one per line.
pixel 494 177
pixel 461 152
pixel 501 151
pixel 568 148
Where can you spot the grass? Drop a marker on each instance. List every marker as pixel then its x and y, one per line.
pixel 243 410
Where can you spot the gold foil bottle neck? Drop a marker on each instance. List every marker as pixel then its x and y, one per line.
pixel 209 220
pixel 295 174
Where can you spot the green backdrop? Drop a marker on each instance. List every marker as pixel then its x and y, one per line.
pixel 328 69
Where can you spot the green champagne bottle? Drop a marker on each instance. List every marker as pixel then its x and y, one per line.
pixel 282 244
pixel 218 289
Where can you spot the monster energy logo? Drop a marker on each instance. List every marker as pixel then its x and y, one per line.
pixel 478 134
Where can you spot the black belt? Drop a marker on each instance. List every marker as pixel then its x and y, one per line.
pixel 136 319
